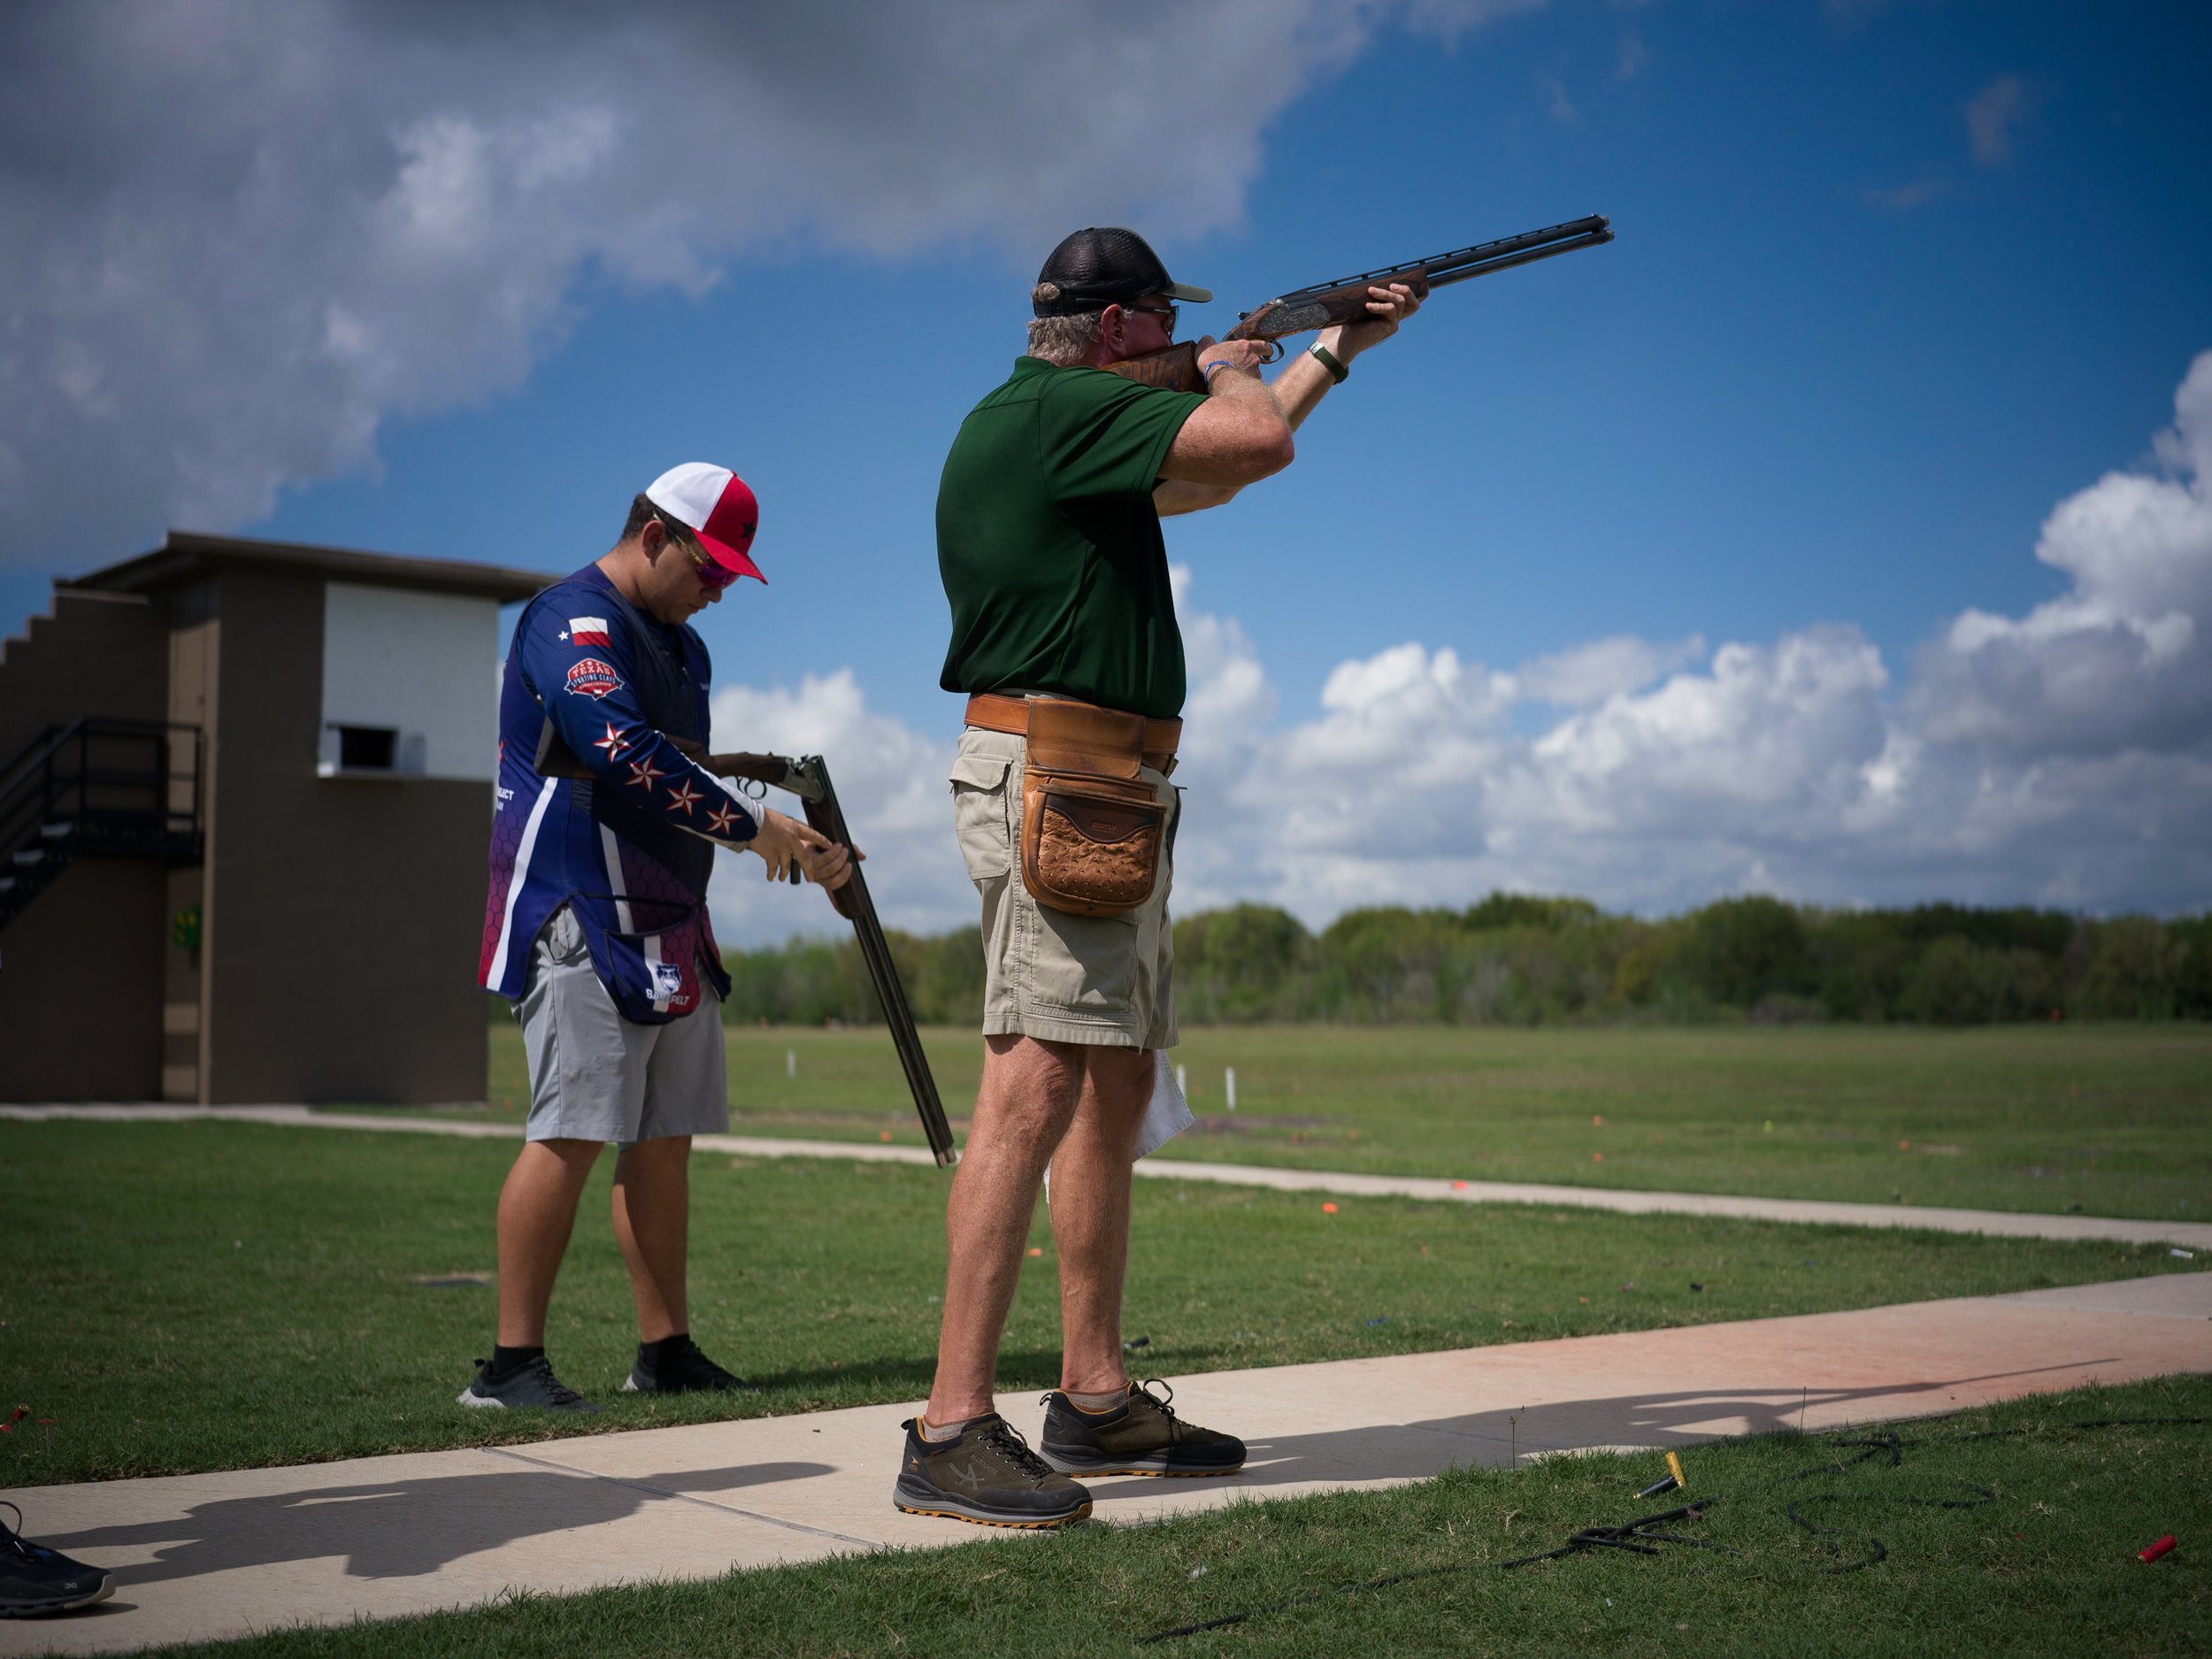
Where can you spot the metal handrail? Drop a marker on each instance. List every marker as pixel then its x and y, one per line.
pixel 23 759
pixel 36 785
pixel 54 736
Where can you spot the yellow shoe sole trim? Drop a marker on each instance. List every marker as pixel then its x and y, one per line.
pixel 1082 1514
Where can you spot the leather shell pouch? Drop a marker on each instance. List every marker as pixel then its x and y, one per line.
pixel 1093 829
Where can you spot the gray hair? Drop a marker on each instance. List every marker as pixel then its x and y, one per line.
pixel 1063 339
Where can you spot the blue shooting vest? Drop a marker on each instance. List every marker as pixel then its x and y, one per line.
pixel 608 847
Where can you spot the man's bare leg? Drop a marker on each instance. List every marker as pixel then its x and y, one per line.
pixel 652 1223
pixel 537 1210
pixel 1091 1179
pixel 1029 1093
pixel 1095 1424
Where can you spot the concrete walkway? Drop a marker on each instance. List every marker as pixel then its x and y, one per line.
pixel 226 1555
pixel 2195 1235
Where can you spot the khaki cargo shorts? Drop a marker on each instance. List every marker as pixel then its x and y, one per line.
pixel 1103 979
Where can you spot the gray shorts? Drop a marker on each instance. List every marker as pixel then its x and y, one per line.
pixel 595 1076
pixel 1103 979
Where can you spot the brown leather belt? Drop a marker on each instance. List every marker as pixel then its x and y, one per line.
pixel 996 713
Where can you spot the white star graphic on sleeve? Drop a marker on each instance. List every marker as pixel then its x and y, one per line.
pixel 721 821
pixel 644 774
pixel 683 795
pixel 613 742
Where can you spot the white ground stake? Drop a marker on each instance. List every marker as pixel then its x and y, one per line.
pixel 1229 1082
pixel 791 1062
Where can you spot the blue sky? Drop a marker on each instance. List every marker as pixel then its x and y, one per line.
pixel 1893 281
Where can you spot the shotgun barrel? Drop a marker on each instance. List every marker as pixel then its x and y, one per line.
pixel 1344 299
pixel 808 778
pixel 1479 259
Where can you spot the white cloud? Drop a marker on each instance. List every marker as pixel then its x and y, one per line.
pixel 1230 700
pixel 1629 57
pixel 1846 15
pixel 1905 197
pixel 236 238
pixel 1992 114
pixel 2061 758
pixel 1769 728
pixel 1448 20
pixel 1590 674
pixel 2124 659
pixel 891 782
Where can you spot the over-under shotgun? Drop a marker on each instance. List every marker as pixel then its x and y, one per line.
pixel 808 778
pixel 1344 300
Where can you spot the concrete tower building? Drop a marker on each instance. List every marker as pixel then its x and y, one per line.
pixel 242 819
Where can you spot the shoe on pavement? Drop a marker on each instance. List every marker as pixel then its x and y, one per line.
pixel 34 1579
pixel 986 1474
pixel 691 1372
pixel 532 1387
pixel 1141 1436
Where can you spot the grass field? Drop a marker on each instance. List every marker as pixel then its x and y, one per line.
pixel 204 1296
pixel 2114 1120
pixel 2020 1542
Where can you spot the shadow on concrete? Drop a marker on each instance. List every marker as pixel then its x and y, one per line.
pixel 1018 1370
pixel 1417 1451
pixel 402 1529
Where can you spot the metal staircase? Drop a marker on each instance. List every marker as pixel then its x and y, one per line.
pixel 126 789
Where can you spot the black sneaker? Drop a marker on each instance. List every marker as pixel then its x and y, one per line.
pixel 36 1580
pixel 987 1474
pixel 691 1372
pixel 533 1387
pixel 1141 1436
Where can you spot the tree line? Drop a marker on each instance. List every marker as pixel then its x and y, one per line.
pixel 1518 960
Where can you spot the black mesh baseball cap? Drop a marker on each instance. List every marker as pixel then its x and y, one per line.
pixel 1101 266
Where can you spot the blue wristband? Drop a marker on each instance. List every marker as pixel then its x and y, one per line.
pixel 1208 373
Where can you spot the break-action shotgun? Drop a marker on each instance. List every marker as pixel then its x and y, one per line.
pixel 1344 300
pixel 808 778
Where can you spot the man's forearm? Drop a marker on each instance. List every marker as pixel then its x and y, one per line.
pixel 1300 387
pixel 1296 391
pixel 1172 497
pixel 1247 391
pixel 653 769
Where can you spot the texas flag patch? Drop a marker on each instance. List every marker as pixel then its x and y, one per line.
pixel 588 631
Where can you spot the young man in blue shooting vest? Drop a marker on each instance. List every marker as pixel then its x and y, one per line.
pixel 596 923
pixel 1064 638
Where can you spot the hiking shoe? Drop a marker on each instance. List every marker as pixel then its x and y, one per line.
pixel 691 1372
pixel 988 1474
pixel 1141 1436
pixel 36 1580
pixel 533 1387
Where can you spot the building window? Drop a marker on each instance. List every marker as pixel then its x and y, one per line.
pixel 367 748
pixel 369 751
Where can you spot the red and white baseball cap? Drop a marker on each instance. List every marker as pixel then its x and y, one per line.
pixel 718 505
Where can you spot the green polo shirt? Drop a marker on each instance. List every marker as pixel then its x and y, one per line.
pixel 1048 545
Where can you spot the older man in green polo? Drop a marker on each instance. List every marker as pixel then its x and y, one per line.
pixel 1065 644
